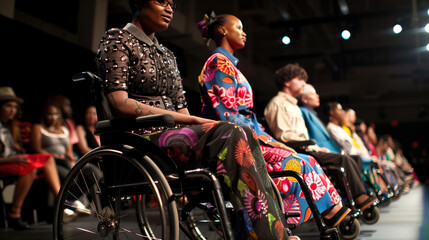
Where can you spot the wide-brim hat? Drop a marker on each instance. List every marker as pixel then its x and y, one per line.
pixel 7 94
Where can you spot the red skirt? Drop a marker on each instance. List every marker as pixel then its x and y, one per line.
pixel 18 169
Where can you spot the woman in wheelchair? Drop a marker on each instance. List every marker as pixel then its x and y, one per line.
pixel 142 78
pixel 227 96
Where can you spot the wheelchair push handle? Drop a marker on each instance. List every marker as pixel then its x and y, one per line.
pixel 86 76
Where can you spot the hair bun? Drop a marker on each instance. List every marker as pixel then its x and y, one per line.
pixel 204 24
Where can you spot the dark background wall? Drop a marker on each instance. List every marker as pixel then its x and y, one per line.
pixel 38 64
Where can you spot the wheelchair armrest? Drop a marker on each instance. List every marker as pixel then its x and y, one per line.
pixel 292 214
pixel 299 144
pixel 128 124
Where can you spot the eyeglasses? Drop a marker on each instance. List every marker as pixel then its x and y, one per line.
pixel 53 116
pixel 165 3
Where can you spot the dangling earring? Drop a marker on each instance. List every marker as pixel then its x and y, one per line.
pixel 138 13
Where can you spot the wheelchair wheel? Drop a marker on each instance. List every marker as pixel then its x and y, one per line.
pixel 370 215
pixel 111 186
pixel 349 228
pixel 386 202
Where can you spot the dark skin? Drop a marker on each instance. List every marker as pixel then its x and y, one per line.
pixel 153 18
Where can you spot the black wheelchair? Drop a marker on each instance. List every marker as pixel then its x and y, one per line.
pixel 349 228
pixel 131 189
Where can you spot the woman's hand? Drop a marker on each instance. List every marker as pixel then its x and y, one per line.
pixel 19 158
pixel 198 120
pixel 70 159
pixel 325 150
pixel 281 145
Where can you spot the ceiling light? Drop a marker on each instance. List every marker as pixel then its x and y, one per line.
pixel 427 28
pixel 427 47
pixel 286 40
pixel 397 28
pixel 346 34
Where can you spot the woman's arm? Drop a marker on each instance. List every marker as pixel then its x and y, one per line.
pixel 82 144
pixel 18 158
pixel 124 106
pixel 70 157
pixel 36 139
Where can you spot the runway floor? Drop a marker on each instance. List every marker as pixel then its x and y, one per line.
pixel 406 218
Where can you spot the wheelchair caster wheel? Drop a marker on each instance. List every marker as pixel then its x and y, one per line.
pixel 386 202
pixel 349 228
pixel 370 215
pixel 202 221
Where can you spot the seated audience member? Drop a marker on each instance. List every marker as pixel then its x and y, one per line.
pixel 350 128
pixel 285 121
pixel 361 128
pixel 405 165
pixel 336 131
pixel 369 137
pixel 309 100
pixel 344 139
pixel 227 96
pixel 13 163
pixel 382 148
pixel 63 103
pixel 389 159
pixel 51 136
pixel 85 131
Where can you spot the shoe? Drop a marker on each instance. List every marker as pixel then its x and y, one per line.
pixel 368 202
pixel 80 208
pixel 17 224
pixel 69 215
pixel 337 218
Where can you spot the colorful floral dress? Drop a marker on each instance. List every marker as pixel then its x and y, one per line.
pixel 130 61
pixel 227 96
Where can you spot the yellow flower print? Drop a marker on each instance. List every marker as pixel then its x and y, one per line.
pixel 225 65
pixel 293 165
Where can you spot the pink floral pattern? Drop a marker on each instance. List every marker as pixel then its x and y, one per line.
pixel 291 204
pixel 229 99
pixel 256 205
pixel 283 184
pixel 244 97
pixel 336 199
pixel 216 93
pixel 315 184
pixel 273 155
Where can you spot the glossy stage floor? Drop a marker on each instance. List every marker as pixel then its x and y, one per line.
pixel 406 218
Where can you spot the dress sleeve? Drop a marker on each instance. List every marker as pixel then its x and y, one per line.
pixel 113 60
pixel 179 99
pixel 218 83
pixel 227 95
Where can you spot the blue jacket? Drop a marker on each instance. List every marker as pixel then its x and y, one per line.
pixel 317 131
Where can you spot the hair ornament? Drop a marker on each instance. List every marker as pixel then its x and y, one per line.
pixel 204 25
